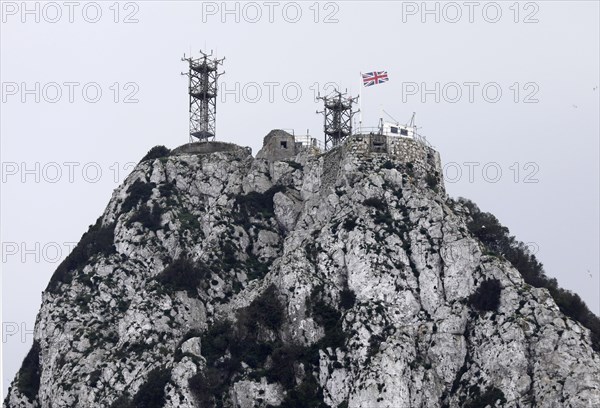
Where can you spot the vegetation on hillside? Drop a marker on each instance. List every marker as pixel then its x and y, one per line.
pixel 156 152
pixel 498 241
pixel 150 395
pixel 98 240
pixel 226 345
pixel 487 296
pixel 184 274
pixel 255 339
pixel 255 204
pixel 28 380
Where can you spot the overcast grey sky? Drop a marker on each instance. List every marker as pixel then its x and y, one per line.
pixel 507 92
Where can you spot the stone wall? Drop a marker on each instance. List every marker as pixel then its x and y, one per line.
pixel 404 149
pixel 424 160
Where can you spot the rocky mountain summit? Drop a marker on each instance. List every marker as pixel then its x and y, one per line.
pixel 347 279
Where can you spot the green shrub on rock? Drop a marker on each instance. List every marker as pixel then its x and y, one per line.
pixel 184 274
pixel 488 398
pixel 156 152
pixel 138 191
pixel 28 381
pixel 152 393
pixel 487 296
pixel 98 240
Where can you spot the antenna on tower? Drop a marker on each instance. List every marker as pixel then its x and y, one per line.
pixel 337 114
pixel 412 120
pixel 390 116
pixel 202 89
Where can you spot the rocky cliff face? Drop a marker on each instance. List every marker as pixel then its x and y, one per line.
pixel 348 279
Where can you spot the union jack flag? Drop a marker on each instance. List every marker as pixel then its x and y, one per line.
pixel 374 78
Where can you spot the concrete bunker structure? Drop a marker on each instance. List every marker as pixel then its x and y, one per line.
pixel 280 145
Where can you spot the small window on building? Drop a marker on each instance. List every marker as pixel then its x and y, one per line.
pixel 283 144
pixel 404 132
pixel 393 129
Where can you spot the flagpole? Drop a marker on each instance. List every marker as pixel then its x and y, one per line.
pixel 360 87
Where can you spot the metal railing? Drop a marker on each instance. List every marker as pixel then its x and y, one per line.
pixel 310 142
pixel 422 139
pixel 361 130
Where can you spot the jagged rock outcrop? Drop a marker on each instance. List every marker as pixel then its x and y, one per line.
pixel 348 279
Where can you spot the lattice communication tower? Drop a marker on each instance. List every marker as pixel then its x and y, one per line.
pixel 337 114
pixel 203 75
